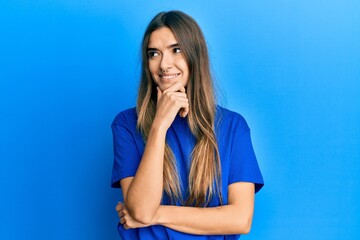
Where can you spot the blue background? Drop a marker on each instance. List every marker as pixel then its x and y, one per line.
pixel 291 68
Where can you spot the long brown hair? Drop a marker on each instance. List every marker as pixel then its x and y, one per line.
pixel 204 175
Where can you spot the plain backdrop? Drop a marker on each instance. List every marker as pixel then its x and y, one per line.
pixel 291 68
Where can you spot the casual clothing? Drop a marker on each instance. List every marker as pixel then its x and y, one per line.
pixel 238 162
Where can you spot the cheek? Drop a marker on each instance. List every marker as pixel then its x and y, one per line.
pixel 185 69
pixel 153 72
pixel 184 66
pixel 153 66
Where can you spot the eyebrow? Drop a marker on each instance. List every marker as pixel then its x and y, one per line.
pixel 170 46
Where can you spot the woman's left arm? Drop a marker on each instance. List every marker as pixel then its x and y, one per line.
pixel 234 218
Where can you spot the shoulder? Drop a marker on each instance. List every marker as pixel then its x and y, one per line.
pixel 126 117
pixel 231 120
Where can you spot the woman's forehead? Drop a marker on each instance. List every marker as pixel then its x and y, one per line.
pixel 162 37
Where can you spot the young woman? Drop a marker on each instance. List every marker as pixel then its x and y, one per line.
pixel 186 166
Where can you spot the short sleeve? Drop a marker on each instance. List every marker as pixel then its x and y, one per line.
pixel 126 154
pixel 244 166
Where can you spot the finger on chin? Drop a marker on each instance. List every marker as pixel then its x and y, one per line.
pixel 176 87
pixel 182 89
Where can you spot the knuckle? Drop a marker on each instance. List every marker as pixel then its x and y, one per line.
pixel 167 95
pixel 172 98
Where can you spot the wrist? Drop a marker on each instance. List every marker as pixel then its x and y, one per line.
pixel 158 128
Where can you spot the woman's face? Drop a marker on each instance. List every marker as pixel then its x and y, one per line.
pixel 167 63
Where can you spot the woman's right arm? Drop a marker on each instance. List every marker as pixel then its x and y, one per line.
pixel 143 192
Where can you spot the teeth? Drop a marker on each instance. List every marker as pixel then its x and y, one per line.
pixel 170 76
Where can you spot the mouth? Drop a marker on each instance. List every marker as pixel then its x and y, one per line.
pixel 169 76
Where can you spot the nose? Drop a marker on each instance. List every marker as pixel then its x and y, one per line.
pixel 166 62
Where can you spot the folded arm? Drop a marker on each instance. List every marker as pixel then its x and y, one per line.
pixel 234 218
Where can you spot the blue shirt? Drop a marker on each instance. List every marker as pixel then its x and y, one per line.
pixel 238 162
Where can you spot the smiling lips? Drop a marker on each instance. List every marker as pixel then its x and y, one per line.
pixel 168 76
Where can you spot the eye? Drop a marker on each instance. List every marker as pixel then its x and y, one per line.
pixel 177 50
pixel 152 54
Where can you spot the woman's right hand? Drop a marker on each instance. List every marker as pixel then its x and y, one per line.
pixel 170 102
pixel 126 219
